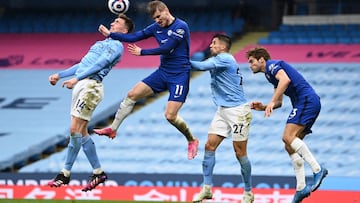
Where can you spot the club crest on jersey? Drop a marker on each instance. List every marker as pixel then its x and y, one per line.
pixel 169 32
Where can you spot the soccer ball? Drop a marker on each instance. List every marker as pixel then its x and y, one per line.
pixel 118 6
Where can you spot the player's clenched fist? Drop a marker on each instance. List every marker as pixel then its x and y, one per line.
pixel 54 78
pixel 103 30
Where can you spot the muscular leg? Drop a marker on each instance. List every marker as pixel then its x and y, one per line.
pixel 298 151
pixel 76 134
pixel 139 91
pixel 292 138
pixel 240 148
pixel 171 114
pixel 209 157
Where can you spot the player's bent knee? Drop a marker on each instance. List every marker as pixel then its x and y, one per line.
pixel 170 117
pixel 209 147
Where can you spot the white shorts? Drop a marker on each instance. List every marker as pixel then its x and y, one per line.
pixel 86 95
pixel 232 120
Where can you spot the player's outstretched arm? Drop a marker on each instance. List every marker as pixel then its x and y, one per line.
pixel 258 106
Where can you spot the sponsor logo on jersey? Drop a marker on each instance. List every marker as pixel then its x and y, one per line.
pixel 177 33
pixel 272 68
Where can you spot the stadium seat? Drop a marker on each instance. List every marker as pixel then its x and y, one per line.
pixel 163 148
pixel 313 34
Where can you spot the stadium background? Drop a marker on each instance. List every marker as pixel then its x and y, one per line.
pixel 147 161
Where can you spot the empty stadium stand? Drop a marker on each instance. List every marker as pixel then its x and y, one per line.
pixel 317 29
pixel 71 21
pixel 314 34
pixel 146 143
pixel 35 115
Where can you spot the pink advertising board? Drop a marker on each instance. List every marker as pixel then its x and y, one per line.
pixel 57 50
pixel 49 50
pixel 169 194
pixel 336 53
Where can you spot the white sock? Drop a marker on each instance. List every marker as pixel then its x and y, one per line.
pixel 298 164
pixel 207 187
pixel 181 125
pixel 97 171
pixel 124 110
pixel 300 147
pixel 65 172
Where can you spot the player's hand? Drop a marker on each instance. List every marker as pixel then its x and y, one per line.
pixel 103 30
pixel 70 83
pixel 269 109
pixel 258 106
pixel 54 78
pixel 134 50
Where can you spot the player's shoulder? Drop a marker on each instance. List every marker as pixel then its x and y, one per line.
pixel 273 66
pixel 226 57
pixel 180 23
pixel 179 20
pixel 116 44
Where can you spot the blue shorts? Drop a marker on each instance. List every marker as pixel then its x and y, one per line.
pixel 176 83
pixel 305 112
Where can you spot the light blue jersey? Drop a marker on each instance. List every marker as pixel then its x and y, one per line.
pixel 226 79
pixel 98 62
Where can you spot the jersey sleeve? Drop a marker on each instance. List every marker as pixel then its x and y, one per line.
pixel 174 38
pixel 130 37
pixel 208 64
pixel 275 67
pixel 111 54
pixel 162 49
pixel 180 31
pixel 215 62
pixel 68 72
pixel 135 36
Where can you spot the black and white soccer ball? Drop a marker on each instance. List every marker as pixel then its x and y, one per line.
pixel 118 6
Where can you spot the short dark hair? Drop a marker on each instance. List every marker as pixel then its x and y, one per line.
pixel 152 6
pixel 224 38
pixel 128 22
pixel 258 52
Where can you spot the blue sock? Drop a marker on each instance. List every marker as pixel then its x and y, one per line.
pixel 90 151
pixel 208 166
pixel 72 150
pixel 246 172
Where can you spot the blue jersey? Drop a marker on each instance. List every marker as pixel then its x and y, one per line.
pixel 98 62
pixel 298 88
pixel 226 79
pixel 173 40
